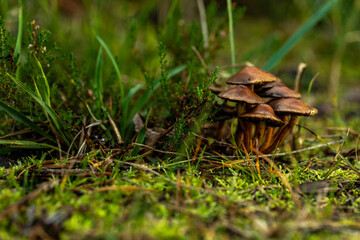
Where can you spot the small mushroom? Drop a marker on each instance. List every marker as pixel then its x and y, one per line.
pixel 216 89
pixel 252 76
pixel 244 98
pixel 279 90
pixel 241 94
pixel 285 107
pixel 264 116
pixel 264 86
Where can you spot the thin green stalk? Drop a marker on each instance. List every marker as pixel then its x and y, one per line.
pixel 203 23
pixel 42 85
pixel 172 9
pixel 98 83
pixel 17 50
pixel 26 144
pixel 231 35
pixel 300 120
pixel 116 67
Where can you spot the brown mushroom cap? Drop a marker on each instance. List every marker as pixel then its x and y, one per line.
pixel 216 89
pixel 263 112
pixel 250 76
pixel 264 86
pixel 292 106
pixel 279 90
pixel 241 93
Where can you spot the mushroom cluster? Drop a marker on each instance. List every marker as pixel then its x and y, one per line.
pixel 261 125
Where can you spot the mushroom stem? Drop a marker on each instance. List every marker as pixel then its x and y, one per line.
pixel 285 130
pixel 251 87
pixel 285 119
pixel 241 107
pixel 240 134
pixel 259 131
pixel 248 136
pixel 269 133
pixel 247 127
pixel 221 129
pixel 245 138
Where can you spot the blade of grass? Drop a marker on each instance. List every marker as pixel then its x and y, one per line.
pixel 25 144
pixel 42 84
pixel 18 116
pixel 174 5
pixel 289 44
pixel 231 35
pixel 116 67
pixel 203 23
pixel 17 50
pixel 98 84
pixel 127 118
pixel 60 128
pixel 99 91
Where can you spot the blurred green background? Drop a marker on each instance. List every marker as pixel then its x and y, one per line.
pixel 132 30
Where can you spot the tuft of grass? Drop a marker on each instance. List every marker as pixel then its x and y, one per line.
pixel 57 126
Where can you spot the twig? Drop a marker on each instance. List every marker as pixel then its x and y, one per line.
pixel 34 165
pixel 352 132
pixel 82 136
pixel 217 141
pixel 200 58
pixel 300 72
pixel 59 146
pixel 305 149
pixel 123 188
pixel 116 130
pixel 291 152
pixel 23 131
pixel 73 171
pixel 157 150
